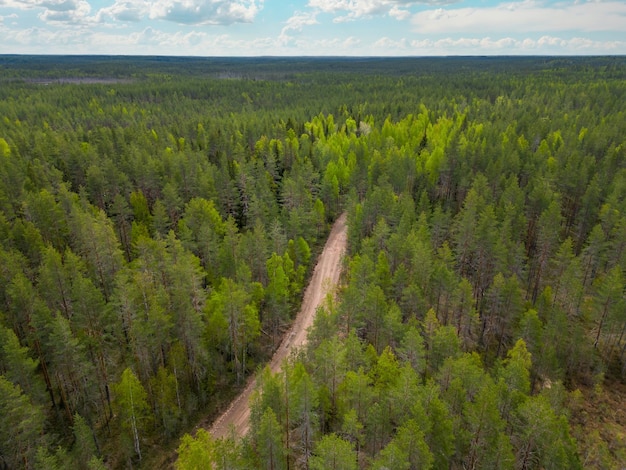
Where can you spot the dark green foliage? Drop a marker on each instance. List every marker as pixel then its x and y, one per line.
pixel 157 228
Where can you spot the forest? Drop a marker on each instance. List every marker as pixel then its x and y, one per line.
pixel 160 218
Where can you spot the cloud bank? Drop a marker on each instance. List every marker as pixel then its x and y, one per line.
pixel 313 27
pixel 525 16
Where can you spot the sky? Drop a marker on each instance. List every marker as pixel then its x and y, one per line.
pixel 313 27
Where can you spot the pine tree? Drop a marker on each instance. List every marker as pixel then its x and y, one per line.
pixel 196 453
pixel 272 455
pixel 132 408
pixel 22 426
pixel 333 453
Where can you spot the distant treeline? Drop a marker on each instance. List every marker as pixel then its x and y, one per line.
pixel 284 68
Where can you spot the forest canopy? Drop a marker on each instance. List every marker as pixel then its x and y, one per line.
pixel 160 216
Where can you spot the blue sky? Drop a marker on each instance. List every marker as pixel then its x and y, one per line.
pixel 313 27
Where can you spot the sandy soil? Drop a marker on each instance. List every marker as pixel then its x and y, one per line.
pixel 325 278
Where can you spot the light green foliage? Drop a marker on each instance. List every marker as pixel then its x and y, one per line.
pixel 141 211
pixel 143 303
pixel 5 150
pixel 132 408
pixel 268 395
pixel 278 290
pixel 461 378
pixel 412 349
pixel 402 396
pixel 488 446
pixel 352 428
pixel 333 453
pixel 57 460
pixel 410 439
pixel 28 240
pixel 330 371
pixel 357 393
pixel 160 219
pixel 373 314
pixel 543 439
pixel 201 229
pixel 96 464
pixel 269 443
pixel 320 216
pixel 231 305
pixel 22 426
pixel 516 373
pixel 444 344
pixel 196 453
pixel 440 433
pixel 48 216
pixel 392 456
pixel 386 372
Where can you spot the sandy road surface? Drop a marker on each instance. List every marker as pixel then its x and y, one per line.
pixel 324 279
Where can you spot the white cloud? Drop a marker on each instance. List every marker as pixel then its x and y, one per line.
pixel 59 5
pixel 195 43
pixel 147 41
pixel 298 21
pixel 189 12
pixel 20 4
pixel 551 41
pixel 32 39
pixel 14 4
pixel 350 46
pixel 152 37
pixel 212 12
pixel 509 45
pixel 362 8
pixel 387 45
pixel 151 40
pixel 524 16
pixel 344 19
pixel 350 42
pixel 124 10
pixel 399 14
pixel 515 27
pixel 54 11
pixel 65 11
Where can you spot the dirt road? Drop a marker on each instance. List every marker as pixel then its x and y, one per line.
pixel 324 279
